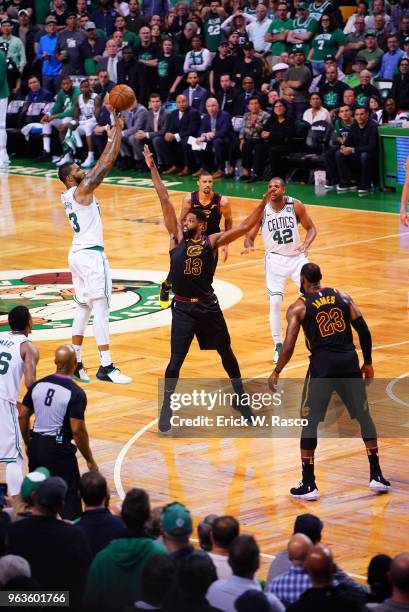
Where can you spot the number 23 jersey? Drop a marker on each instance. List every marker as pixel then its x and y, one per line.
pixel 279 229
pixel 85 221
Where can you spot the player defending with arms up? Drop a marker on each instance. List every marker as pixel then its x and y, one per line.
pixel 214 206
pixel 326 316
pixel 18 357
pixel 285 253
pixel 87 260
pixel 195 308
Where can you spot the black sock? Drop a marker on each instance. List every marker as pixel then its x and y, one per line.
pixel 373 458
pixel 308 469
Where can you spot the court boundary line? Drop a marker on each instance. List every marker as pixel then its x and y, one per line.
pixel 50 178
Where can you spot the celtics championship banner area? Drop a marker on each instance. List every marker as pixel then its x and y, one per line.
pixel 342 407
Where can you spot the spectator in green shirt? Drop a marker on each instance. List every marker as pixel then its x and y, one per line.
pixel 277 32
pixel 15 47
pixel 372 53
pixel 130 38
pixel 329 40
pixel 303 28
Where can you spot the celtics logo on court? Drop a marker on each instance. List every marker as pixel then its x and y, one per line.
pixel 49 296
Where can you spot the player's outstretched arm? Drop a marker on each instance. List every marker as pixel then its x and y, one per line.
pixel 365 339
pixel 228 223
pixel 250 239
pixel 169 215
pixel 84 191
pixel 30 356
pixel 404 216
pixel 308 225
pixel 295 315
pixel 219 239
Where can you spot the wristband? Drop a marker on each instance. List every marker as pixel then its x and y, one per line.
pixel 109 139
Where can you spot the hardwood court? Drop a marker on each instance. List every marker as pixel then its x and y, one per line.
pixel 363 253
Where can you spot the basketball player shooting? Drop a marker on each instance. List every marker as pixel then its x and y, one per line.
pixel 195 308
pixel 87 260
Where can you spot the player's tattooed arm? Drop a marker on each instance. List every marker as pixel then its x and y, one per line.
pixel 307 224
pixel 30 356
pixel 295 315
pixel 365 338
pixel 85 190
pixel 186 206
pixel 169 215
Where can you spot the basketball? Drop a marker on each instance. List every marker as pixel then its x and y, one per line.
pixel 121 97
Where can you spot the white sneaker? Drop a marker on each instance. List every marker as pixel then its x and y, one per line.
pixel 309 492
pixel 65 159
pixel 89 161
pixel 81 374
pixel 112 374
pixel 379 484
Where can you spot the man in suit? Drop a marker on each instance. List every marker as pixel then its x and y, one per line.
pixel 195 93
pixel 132 73
pixel 153 127
pixel 241 102
pixel 173 148
pixel 130 150
pixel 106 120
pixel 216 130
pixel 110 62
pixel 227 95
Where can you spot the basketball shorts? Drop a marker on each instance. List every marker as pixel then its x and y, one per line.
pixel 331 372
pixel 279 268
pixel 10 436
pixel 204 320
pixel 91 276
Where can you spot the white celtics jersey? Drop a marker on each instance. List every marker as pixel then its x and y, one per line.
pixel 85 221
pixel 280 229
pixel 11 365
pixel 87 109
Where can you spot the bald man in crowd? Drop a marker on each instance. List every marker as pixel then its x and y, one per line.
pixel 289 587
pixel 58 405
pixel 399 577
pixel 324 594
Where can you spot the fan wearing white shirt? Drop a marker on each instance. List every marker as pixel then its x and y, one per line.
pixel 316 112
pixel 258 29
pixel 198 59
pixel 244 559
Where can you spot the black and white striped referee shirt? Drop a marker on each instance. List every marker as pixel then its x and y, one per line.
pixel 55 400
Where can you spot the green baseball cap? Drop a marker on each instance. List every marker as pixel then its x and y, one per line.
pixel 31 482
pixel 176 520
pixel 303 6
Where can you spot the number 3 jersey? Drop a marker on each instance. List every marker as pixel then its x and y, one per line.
pixel 280 229
pixel 85 221
pixel 191 268
pixel 327 322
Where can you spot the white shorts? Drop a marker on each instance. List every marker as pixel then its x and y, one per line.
pixel 91 276
pixel 86 127
pixel 10 436
pixel 47 127
pixel 279 268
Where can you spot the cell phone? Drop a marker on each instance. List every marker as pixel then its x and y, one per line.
pixel 3 493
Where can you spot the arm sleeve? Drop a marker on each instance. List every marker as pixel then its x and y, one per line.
pixel 365 338
pixel 78 404
pixel 28 399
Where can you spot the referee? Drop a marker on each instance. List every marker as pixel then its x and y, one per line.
pixel 58 405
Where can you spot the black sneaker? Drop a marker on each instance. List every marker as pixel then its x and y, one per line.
pixel 80 373
pixel 307 491
pixel 378 483
pixel 244 410
pixel 44 157
pixel 164 293
pixel 112 374
pixel 164 425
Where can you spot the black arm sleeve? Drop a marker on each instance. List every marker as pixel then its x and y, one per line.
pixel 365 338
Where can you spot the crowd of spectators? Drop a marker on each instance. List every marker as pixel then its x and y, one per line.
pixel 219 84
pixel 145 559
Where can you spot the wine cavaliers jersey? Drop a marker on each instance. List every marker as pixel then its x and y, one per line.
pixel 192 267
pixel 211 210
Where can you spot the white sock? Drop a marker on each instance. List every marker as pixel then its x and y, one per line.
pixel 78 352
pixel 105 358
pixel 3 137
pixel 276 324
pixel 47 144
pixel 14 477
pixel 100 310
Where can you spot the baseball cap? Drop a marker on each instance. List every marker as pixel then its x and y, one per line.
pixel 51 492
pixel 176 520
pixel 31 482
pixel 71 14
pixel 4 21
pixel 237 32
pixel 310 525
pixel 370 34
pixel 23 12
pixel 280 66
pixel 406 41
pixel 223 43
pixel 90 25
pixel 248 45
pixel 50 19
pixel 329 58
pixel 303 6
pixel 360 59
pixel 297 49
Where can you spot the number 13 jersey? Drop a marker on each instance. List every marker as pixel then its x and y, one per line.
pixel 85 221
pixel 280 229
